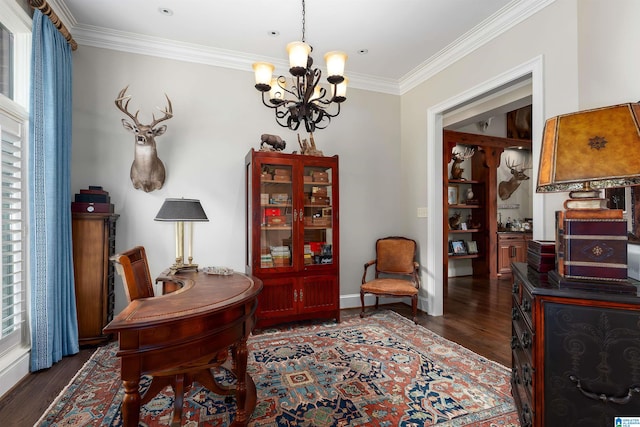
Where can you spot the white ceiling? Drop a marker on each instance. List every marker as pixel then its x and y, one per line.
pixel 406 39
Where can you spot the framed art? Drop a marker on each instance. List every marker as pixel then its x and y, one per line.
pixel 458 247
pixel 452 195
pixel 472 247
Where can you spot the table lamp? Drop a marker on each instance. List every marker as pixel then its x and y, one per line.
pixel 583 153
pixel 181 211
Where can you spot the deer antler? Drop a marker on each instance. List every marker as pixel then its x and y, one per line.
pixel 124 107
pixel 122 102
pixel 167 113
pixel 466 154
pixel 516 166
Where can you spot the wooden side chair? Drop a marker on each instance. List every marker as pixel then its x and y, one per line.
pixel 133 267
pixel 396 272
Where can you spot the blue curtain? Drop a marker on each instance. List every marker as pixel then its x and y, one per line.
pixel 54 326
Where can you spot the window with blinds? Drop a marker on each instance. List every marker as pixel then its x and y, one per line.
pixel 14 303
pixel 15 54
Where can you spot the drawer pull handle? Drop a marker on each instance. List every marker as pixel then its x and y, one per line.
pixel 603 397
pixel 515 314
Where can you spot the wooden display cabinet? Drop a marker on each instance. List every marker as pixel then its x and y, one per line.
pixel 293 235
pixel 94 239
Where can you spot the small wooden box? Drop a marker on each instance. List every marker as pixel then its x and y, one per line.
pixel 282 172
pixel 266 176
pixel 307 178
pixel 595 249
pixel 276 220
pixel 282 178
pixel 320 176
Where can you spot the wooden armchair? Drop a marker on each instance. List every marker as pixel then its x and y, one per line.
pixel 133 267
pixel 396 272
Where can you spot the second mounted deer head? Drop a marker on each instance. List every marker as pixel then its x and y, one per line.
pixel 506 188
pixel 458 157
pixel 147 170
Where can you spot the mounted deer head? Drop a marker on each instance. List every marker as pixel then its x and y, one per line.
pixel 147 170
pixel 506 188
pixel 458 158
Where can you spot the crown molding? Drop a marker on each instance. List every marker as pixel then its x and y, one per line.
pixel 503 20
pixel 507 17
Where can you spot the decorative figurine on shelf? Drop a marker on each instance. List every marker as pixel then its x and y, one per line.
pixel 309 149
pixel 469 197
pixel 454 221
pixel 276 143
pixel 458 158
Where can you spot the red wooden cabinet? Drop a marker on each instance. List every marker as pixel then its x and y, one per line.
pixel 293 235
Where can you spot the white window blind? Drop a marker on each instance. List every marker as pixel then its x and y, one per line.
pixel 14 301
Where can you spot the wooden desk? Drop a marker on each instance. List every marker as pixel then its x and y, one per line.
pixel 207 315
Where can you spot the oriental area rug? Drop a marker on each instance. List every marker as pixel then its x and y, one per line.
pixel 382 370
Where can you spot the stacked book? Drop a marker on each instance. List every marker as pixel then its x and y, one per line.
pixel 308 254
pixel 281 256
pixel 541 255
pixel 266 261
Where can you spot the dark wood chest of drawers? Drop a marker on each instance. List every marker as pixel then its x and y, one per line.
pixel 576 354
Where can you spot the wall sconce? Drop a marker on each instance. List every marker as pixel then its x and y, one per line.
pixel 583 153
pixel 181 211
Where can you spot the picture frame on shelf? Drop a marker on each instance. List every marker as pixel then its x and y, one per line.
pixel 453 194
pixel 472 247
pixel 463 226
pixel 458 247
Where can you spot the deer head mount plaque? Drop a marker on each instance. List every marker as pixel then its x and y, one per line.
pixel 147 170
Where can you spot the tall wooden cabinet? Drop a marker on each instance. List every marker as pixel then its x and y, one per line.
pixel 293 235
pixel 575 353
pixel 93 243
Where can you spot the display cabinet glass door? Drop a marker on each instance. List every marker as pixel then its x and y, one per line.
pixel 317 216
pixel 277 216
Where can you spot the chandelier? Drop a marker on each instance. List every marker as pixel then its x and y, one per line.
pixel 304 100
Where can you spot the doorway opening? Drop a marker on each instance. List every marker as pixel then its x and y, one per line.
pixel 530 72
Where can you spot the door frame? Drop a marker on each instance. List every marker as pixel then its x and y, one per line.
pixel 533 68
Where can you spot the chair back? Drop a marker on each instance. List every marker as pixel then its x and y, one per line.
pixel 395 255
pixel 133 267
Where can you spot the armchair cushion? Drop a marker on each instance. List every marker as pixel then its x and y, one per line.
pixel 388 286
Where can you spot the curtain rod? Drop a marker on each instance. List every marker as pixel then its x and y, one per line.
pixel 45 8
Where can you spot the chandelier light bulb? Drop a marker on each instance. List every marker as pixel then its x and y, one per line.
pixel 263 73
pixel 298 56
pixel 335 66
pixel 339 91
pixel 276 94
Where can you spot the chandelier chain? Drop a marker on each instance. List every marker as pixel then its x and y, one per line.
pixel 303 21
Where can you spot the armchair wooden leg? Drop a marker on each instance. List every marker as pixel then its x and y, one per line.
pixel 362 303
pixel 414 307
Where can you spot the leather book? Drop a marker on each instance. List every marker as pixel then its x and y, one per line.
pixel 593 214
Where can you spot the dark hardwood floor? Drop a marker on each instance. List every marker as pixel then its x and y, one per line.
pixel 477 316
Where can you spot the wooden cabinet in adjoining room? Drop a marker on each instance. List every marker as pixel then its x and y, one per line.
pixel 293 235
pixel 93 243
pixel 512 247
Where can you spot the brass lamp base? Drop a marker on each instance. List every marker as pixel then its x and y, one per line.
pixel 179 265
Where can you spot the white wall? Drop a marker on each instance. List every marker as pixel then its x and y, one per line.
pixel 218 118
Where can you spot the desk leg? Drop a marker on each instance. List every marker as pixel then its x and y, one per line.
pixel 245 388
pixel 131 403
